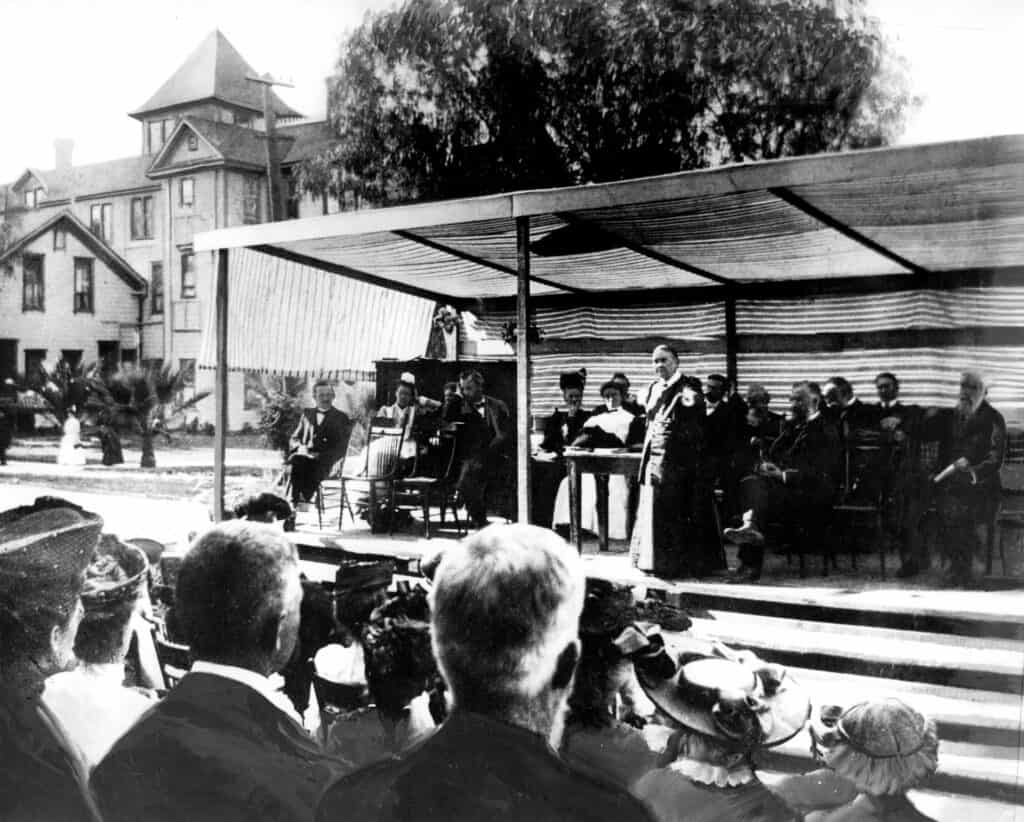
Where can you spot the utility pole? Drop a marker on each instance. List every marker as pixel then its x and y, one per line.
pixel 274 193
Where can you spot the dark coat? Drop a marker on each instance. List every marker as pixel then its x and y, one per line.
pixel 40 772
pixel 214 749
pixel 484 435
pixel 675 433
pixel 981 439
pixel 330 438
pixel 554 440
pixel 476 768
pixel 813 451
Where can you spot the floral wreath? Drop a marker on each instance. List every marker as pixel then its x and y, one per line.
pixel 443 313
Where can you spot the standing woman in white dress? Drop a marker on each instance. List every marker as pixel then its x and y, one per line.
pixel 71 451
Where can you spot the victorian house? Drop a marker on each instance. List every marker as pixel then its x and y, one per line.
pixel 98 263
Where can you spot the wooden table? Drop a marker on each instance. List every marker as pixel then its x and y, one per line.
pixel 601 464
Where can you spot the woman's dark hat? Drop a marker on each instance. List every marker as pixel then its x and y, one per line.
pixel 44 550
pixel 730 695
pixel 608 609
pixel 116 575
pixel 572 379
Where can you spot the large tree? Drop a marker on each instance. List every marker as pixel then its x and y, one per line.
pixel 443 98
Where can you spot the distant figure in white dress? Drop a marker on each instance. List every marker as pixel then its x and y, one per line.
pixel 71 451
pixel 614 428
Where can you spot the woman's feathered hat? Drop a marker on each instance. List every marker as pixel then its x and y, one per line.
pixel 572 379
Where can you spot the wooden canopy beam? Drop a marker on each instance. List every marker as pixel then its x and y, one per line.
pixel 638 248
pixel 827 219
pixel 523 427
pixel 220 387
pixel 483 261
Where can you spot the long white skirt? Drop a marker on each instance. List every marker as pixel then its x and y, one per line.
pixel 618 505
pixel 70 451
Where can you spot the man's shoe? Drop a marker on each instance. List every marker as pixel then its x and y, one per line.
pixel 747 534
pixel 744 575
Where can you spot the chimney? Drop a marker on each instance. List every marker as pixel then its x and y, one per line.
pixel 62 148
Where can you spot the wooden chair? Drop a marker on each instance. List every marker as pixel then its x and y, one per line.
pixel 419 488
pixel 318 499
pixel 175 659
pixel 861 498
pixel 382 455
pixel 335 699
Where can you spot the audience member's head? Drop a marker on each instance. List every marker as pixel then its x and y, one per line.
pixel 972 391
pixel 323 394
pixel 572 383
pixel 758 396
pixel 838 392
pixel 471 385
pixel 506 604
pixel 665 360
pixel 887 386
pixel 265 507
pixel 803 401
pixel 238 597
pixel 114 584
pixel 44 551
pixel 359 588
pixel 714 388
pixel 399 663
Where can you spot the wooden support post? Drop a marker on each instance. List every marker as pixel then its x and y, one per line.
pixel 523 426
pixel 731 341
pixel 220 390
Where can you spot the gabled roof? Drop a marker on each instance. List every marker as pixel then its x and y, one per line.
pixel 95 244
pixel 19 184
pixel 214 71
pixel 235 145
pixel 310 139
pixel 94 178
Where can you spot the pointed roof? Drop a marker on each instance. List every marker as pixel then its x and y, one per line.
pixel 118 264
pixel 214 71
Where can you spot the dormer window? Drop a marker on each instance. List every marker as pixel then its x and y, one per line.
pixel 193 142
pixel 33 197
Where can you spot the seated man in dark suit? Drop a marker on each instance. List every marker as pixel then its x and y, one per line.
pixel 798 483
pixel 223 744
pixel 972 446
pixel 319 441
pixel 853 419
pixel 484 444
pixel 505 614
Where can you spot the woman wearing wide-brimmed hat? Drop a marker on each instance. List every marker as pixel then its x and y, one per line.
pixel 725 707
pixel 44 550
pixel 874 753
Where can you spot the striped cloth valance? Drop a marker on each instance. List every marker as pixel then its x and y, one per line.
pixel 290 319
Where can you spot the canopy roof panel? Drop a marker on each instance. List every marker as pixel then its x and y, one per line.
pixel 895 211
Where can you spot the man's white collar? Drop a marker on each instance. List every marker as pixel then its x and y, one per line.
pixel 252 679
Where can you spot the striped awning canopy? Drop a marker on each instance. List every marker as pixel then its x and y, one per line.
pixel 897 212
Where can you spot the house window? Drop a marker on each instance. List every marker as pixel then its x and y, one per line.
pixel 155 135
pixel 186 192
pixel 34 359
pixel 101 221
pixel 60 238
pixel 83 286
pixel 72 357
pixel 251 200
pixel 193 142
pixel 156 288
pixel 187 368
pixel 142 218
pixel 32 294
pixel 33 197
pixel 227 116
pixel 188 276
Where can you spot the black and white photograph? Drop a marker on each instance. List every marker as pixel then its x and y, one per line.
pixel 512 411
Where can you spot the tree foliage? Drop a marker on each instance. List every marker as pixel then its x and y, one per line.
pixel 443 98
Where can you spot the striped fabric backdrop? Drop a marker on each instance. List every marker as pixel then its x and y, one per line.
pixel 332 326
pixel 929 375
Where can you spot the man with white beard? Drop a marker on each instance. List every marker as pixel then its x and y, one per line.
pixel 972 444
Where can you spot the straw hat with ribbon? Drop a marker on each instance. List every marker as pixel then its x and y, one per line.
pixel 731 696
pixel 883 746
